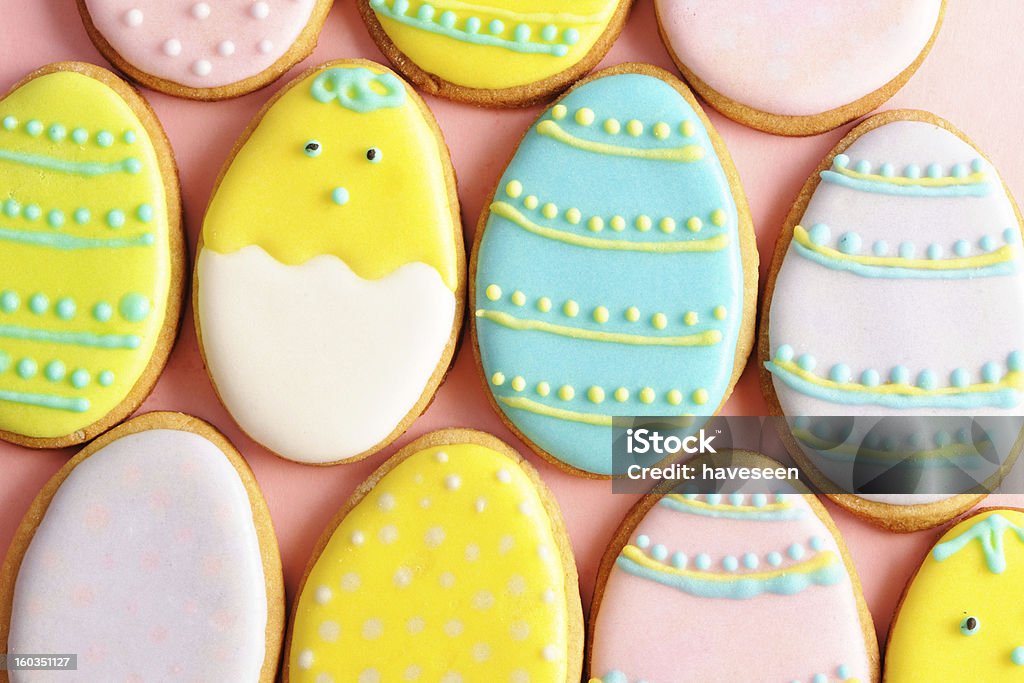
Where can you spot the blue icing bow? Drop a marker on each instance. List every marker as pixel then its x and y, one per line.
pixel 359 89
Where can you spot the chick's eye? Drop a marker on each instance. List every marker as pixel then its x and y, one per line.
pixel 313 149
pixel 374 155
pixel 969 626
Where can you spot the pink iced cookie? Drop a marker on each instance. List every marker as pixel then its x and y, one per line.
pixel 204 50
pixel 796 67
pixel 730 587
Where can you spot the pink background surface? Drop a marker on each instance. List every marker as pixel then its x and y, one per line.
pixel 971 78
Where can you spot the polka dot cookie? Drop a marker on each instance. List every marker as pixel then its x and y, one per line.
pixel 204 50
pixel 449 564
pixel 150 555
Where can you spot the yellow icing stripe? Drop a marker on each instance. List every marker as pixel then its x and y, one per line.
pixel 559 413
pixel 528 17
pixel 706 338
pixel 953 450
pixel 823 559
pixel 947 181
pixel 1001 255
pixel 509 212
pixel 687 154
pixel 701 505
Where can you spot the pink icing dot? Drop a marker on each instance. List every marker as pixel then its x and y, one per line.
pixel 82 596
pixel 158 634
pixel 97 517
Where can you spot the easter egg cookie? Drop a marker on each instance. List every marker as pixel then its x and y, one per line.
pixel 896 300
pixel 151 556
pixel 204 50
pixel 501 53
pixel 450 563
pixel 330 278
pixel 796 68
pixel 959 612
pixel 751 587
pixel 91 254
pixel 614 272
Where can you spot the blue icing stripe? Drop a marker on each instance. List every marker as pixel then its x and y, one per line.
pixel 640 292
pixel 865 270
pixel 989 533
pixel 882 187
pixel 359 89
pixel 759 515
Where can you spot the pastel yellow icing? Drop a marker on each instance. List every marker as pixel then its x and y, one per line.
pixel 475 65
pixel 398 210
pixel 448 570
pixel 76 168
pixel 927 642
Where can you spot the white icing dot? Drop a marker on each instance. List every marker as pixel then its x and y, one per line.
pixel 388 534
pixel 452 482
pixel 412 673
pixel 441 456
pixel 358 538
pixel 548 596
pixel 403 577
pixel 418 478
pixel 481 652
pixel 505 544
pixel 324 678
pixel 265 46
pixel 322 595
pixel 372 629
pixel 350 582
pixel 520 630
pixel 447 580
pixel 202 67
pixel 133 17
pixel 453 628
pixel 369 676
pixel 524 508
pixel 472 552
pixel 549 653
pixel 452 677
pixel 543 552
pixel 329 631
pixel 481 504
pixel 226 48
pixel 516 585
pixel 259 10
pixel 504 476
pixel 434 536
pixel 483 600
pixel 425 503
pixel 172 47
pixel 200 10
pixel 519 676
pixel 415 625
pixel 386 502
pixel 306 660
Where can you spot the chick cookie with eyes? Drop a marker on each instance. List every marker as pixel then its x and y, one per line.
pixel 330 278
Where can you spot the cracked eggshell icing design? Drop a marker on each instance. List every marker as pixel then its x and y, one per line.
pixel 907 258
pixel 147 538
pixel 493 45
pixel 690 573
pixel 959 612
pixel 610 269
pixel 203 46
pixel 450 564
pixel 330 278
pixel 90 254
pixel 793 59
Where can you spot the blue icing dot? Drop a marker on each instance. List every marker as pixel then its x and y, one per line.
pixel 736 499
pixel 400 6
pixel 144 213
pixel 27 368
pixel 942 439
pixel 887 170
pixel 496 26
pixel 962 248
pixel 1011 235
pixel 912 171
pixel 340 196
pixel 934 171
pixel 115 218
pixel 806 362
pixel 82 216
pixel 642 541
pixel 840 373
pixel 425 12
pixel 959 171
pixel 522 33
pixel 820 678
pixel 472 25
pixel 714 498
pixel 679 560
pixel 880 248
pixel 841 161
pixel 129 137
pixel 977 165
pixel 784 353
pixel 991 372
pixel 9 302
pixel 33 212
pixel 134 307
pixel 863 166
pixel 759 500
pixel 80 135
pixel 34 127
pixel 987 243
pixel 819 234
pixel 963 435
pixel 133 165
pixel 843 671
pixel 1017 656
pixel 55 218
pixel 80 378
pixel 38 303
pixel 926 379
pixel 447 19
pixel 934 251
pixel 795 551
pixel 906 250
pixel 615 677
pixel 703 561
pixel 55 371
pixel 549 32
pixel 730 563
pixel 104 139
pixel 899 375
pixel 870 378
pixel 1015 361
pixel 102 311
pixel 817 543
pixel 959 378
pixel 65 309
pixel 10 123
pixel 57 132
pixel 750 561
pixel 11 208
pixel 659 552
pixel 570 36
pixel 106 378
pixel 774 559
pixel 916 441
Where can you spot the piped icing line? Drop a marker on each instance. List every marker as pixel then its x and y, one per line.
pixel 960 183
pixel 529 17
pixel 86 339
pixel 705 338
pixel 989 533
pixel 732 563
pixel 597 395
pixel 73 135
pixel 824 569
pixel 90 169
pixel 531 406
pixel 686 154
pixel 514 215
pixel 64 242
pixel 954 454
pixel 809 244
pixel 690 504
pixel 53 401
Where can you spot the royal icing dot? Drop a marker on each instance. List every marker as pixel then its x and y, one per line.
pixel 202 67
pixel 133 18
pixel 226 48
pixel 200 10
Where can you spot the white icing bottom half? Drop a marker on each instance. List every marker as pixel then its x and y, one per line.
pixel 314 362
pixel 147 566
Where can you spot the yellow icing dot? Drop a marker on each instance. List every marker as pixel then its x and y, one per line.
pixel 694 224
pixel 549 210
pixel 632 314
pixel 612 127
pixel 700 396
pixel 584 116
pixel 493 292
pixel 662 130
pixel 719 217
pixel 518 383
pixel 643 223
pixel 659 320
pixel 571 308
pixel 497 379
pixel 601 314
pixel 674 397
pixel 688 129
pixel 518 298
pixel 543 304
pixel 559 112
pixel 691 318
pixel 531 202
pixel 667 225
pixel 595 394
pixel 622 394
pixel 720 312
pixel 514 189
pixel 647 395
pixel 618 223
pixel 566 393
pixel 573 216
pixel 635 128
pixel 543 388
pixel 595 224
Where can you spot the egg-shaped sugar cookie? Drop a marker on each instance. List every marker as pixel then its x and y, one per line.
pixel 752 587
pixel 960 613
pixel 614 272
pixel 897 292
pixel 150 556
pixel 91 254
pixel 204 50
pixel 796 68
pixel 330 278
pixel 450 563
pixel 501 53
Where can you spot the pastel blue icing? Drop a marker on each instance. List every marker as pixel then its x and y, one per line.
pixel 906 250
pixel 757 515
pixel 354 88
pixel 989 533
pixel 882 187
